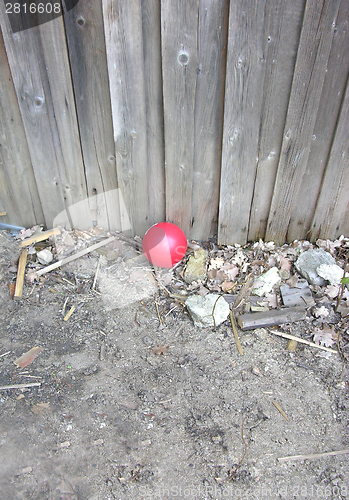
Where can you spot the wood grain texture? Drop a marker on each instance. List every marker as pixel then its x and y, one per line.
pixel 179 31
pixel 20 200
pixel 242 110
pixel 86 43
pixel 325 128
pixel 123 32
pixel 151 26
pixel 208 116
pixel 40 71
pixel 313 52
pixel 331 218
pixel 280 44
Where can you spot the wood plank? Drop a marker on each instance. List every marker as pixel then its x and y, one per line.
pixel 325 128
pixel 270 318
pixel 123 33
pixel 20 274
pixel 280 44
pixel 310 71
pixel 151 25
pixel 88 62
pixel 179 42
pixel 331 218
pixel 40 237
pixel 208 116
pixel 242 110
pixel 40 71
pixel 19 200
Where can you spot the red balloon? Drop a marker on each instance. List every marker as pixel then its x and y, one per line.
pixel 164 244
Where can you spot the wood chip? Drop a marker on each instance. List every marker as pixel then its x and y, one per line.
pixel 69 313
pixel 27 357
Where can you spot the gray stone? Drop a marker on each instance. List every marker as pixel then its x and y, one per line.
pixel 202 309
pixel 266 282
pixel 196 267
pixel 308 262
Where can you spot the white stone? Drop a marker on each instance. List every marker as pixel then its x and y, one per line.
pixel 44 256
pixel 331 273
pixel 203 309
pixel 266 282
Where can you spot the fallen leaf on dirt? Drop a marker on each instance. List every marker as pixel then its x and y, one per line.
pixel 332 291
pixel 227 285
pixel 293 281
pixel 40 408
pixel 285 264
pixel 160 349
pixel 327 336
pixel 27 358
pixel 344 308
pixel 216 263
pixel 321 312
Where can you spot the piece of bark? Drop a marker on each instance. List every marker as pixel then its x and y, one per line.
pixel 270 318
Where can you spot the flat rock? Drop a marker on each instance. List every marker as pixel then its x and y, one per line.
pixel 203 309
pixel 196 267
pixel 331 273
pixel 308 262
pixel 297 296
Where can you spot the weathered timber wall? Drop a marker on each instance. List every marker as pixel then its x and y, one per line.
pixel 224 117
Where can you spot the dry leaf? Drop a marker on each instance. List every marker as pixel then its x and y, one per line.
pixel 27 358
pixel 285 264
pixel 321 312
pixel 160 349
pixel 332 291
pixel 216 263
pixel 227 285
pixel 344 308
pixel 293 281
pixel 40 408
pixel 327 336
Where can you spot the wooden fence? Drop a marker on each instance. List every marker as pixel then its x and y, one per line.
pixel 226 117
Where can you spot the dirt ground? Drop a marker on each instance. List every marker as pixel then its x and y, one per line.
pixel 114 418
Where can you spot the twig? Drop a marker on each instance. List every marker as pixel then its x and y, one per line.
pixel 302 341
pixel 243 440
pixel 314 455
pixel 75 256
pixel 20 386
pixel 235 331
pixel 278 407
pixel 5 354
pixel 97 272
pixel 157 310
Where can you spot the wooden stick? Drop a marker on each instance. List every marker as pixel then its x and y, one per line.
pixel 20 274
pixel 314 455
pixel 75 256
pixel 20 386
pixel 278 407
pixel 235 331
pixel 69 313
pixel 302 341
pixel 40 237
pixel 2 213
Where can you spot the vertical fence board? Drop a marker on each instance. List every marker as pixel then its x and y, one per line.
pixel 325 127
pixel 284 20
pixel 179 23
pixel 242 109
pixel 123 32
pixel 208 126
pixel 40 71
pixel 20 200
pixel 331 218
pixel 151 12
pixel 86 43
pixel 310 70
